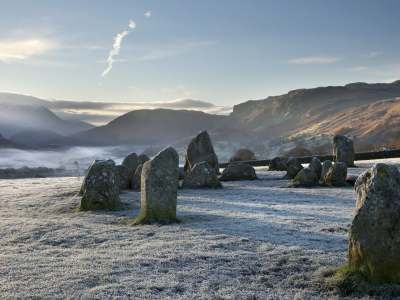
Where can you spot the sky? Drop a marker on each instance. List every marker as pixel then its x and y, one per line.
pixel 203 55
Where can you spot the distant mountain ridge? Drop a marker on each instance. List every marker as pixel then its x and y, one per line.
pixel 5 144
pixel 17 115
pixel 148 126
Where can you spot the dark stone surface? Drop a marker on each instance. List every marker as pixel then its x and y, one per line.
pixel 238 172
pixel 201 176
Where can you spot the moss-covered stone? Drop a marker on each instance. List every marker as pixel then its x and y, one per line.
pixel 293 167
pixel 100 186
pixel 336 175
pixel 201 176
pixel 374 236
pixel 159 187
pixel 305 178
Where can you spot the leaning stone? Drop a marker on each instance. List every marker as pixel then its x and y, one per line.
pixel 316 166
pixel 278 164
pixel 122 177
pixel 100 186
pixel 136 181
pixel 293 167
pixel 237 172
pixel 132 161
pixel 374 241
pixel 159 187
pixel 326 165
pixel 201 176
pixel 343 150
pixel 200 149
pixel 305 178
pixel 337 175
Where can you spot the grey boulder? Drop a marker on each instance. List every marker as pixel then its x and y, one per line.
pixel 100 186
pixel 201 176
pixel 336 175
pixel 278 164
pixel 122 177
pixel 326 165
pixel 293 167
pixel 343 150
pixel 132 161
pixel 316 166
pixel 136 180
pixel 305 178
pixel 237 172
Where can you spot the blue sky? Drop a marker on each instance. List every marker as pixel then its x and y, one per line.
pixel 207 55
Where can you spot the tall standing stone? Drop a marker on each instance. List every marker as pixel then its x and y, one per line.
pixel 374 236
pixel 160 180
pixel 343 150
pixel 100 186
pixel 316 166
pixel 200 149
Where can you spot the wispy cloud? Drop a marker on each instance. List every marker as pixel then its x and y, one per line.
pixel 372 54
pixel 117 47
pixel 25 49
pixel 148 14
pixel 314 60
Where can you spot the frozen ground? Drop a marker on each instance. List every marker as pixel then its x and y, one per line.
pixel 249 240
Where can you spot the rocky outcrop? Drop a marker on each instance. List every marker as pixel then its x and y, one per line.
pixel 293 167
pixel 326 165
pixel 278 164
pixel 305 178
pixel 374 241
pixel 343 150
pixel 200 149
pixel 137 178
pixel 201 176
pixel 237 172
pixel 122 177
pixel 159 188
pixel 336 175
pixel 316 166
pixel 100 186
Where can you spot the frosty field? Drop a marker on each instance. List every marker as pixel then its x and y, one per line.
pixel 249 240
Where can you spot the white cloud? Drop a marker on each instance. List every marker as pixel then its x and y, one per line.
pixel 314 60
pixel 148 14
pixel 114 51
pixel 132 24
pixel 23 50
pixel 372 54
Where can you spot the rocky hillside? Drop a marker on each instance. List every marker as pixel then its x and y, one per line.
pixel 17 113
pixel 158 126
pixel 6 144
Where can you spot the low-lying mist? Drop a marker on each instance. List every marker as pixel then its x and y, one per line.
pixel 72 161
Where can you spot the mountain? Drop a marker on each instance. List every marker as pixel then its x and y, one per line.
pixel 314 112
pixel 5 144
pixel 157 126
pixel 18 114
pixel 35 137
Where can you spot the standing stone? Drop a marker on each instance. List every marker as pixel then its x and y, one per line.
pixel 237 172
pixel 374 236
pixel 202 176
pixel 136 182
pixel 132 161
pixel 293 167
pixel 160 186
pixel 343 150
pixel 122 177
pixel 316 166
pixel 200 149
pixel 326 165
pixel 100 186
pixel 278 164
pixel 337 175
pixel 305 178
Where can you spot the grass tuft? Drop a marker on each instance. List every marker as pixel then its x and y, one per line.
pixel 347 282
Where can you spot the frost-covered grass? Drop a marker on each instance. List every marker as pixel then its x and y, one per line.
pixel 249 240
